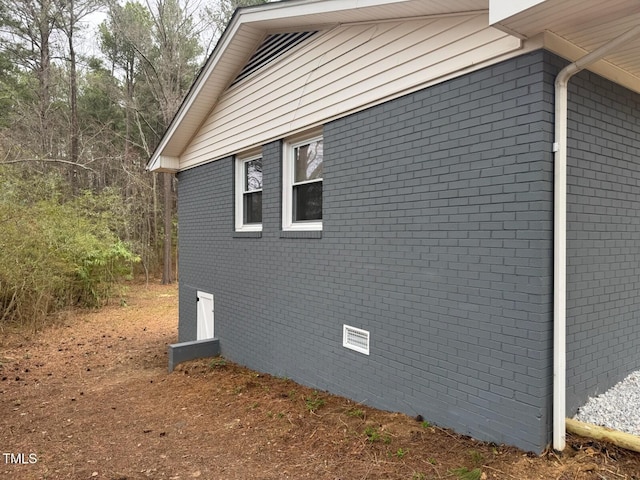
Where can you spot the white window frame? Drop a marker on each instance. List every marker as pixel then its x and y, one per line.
pixel 240 191
pixel 288 183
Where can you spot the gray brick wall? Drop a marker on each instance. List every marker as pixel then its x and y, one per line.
pixel 603 237
pixel 205 213
pixel 437 238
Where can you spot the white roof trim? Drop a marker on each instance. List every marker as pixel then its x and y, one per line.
pixel 502 9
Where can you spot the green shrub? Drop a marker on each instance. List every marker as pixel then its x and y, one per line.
pixel 55 254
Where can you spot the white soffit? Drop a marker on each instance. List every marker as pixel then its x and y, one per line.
pixel 577 27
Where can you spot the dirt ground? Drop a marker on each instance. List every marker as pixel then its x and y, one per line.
pixel 91 399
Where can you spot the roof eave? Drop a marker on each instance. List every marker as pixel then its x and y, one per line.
pixel 574 28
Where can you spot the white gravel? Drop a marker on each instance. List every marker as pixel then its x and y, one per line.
pixel 617 408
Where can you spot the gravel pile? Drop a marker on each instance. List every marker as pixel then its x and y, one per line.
pixel 617 408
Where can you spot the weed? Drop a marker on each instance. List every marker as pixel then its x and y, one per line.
pixel 356 412
pixel 476 458
pixel 292 394
pixel 418 476
pixel 373 435
pixel 426 424
pixel 253 406
pixel 432 461
pixel 314 402
pixel 217 362
pixel 401 452
pixel 464 473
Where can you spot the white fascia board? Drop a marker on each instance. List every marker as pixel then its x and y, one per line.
pixel 281 10
pixel 500 10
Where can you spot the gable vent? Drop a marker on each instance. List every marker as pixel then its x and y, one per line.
pixel 271 48
pixel 355 339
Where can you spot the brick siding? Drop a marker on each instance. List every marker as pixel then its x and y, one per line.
pixel 437 238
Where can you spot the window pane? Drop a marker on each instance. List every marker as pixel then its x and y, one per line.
pixel 308 162
pixel 307 202
pixel 253 207
pixel 253 175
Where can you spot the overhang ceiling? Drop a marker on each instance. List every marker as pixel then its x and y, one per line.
pixel 587 24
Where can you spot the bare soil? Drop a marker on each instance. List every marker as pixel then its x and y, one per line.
pixel 91 398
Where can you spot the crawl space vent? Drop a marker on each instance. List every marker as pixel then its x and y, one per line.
pixel 355 339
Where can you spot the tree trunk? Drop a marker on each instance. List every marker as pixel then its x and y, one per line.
pixel 74 152
pixel 44 80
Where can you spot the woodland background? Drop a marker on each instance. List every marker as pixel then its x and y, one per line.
pixel 83 104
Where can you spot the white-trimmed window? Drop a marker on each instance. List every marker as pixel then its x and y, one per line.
pixel 249 193
pixel 302 184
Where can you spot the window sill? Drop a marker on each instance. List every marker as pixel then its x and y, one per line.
pixel 301 234
pixel 247 235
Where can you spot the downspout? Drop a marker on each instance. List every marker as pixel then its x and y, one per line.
pixel 560 231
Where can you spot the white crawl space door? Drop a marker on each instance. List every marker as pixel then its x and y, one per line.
pixel 205 316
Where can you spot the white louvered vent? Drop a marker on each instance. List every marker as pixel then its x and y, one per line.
pixel 355 339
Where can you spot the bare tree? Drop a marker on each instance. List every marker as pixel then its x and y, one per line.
pixel 169 68
pixel 70 12
pixel 30 25
pixel 126 33
pixel 218 14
